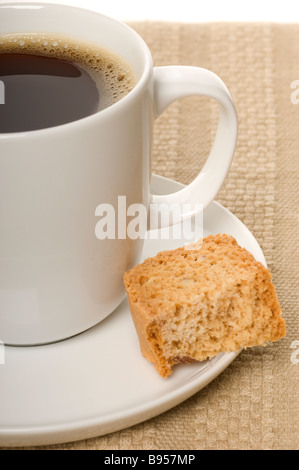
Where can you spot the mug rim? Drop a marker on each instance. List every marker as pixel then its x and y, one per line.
pixel 101 114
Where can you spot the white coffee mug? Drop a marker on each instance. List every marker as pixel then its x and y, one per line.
pixel 57 278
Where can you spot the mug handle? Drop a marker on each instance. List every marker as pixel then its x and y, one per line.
pixel 170 84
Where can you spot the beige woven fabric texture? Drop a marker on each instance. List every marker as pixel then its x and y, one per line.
pixel 253 404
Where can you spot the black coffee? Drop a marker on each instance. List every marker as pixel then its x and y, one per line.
pixel 48 81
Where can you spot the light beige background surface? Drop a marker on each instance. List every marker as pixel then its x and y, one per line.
pixel 254 403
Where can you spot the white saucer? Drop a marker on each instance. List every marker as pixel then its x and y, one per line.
pixel 98 382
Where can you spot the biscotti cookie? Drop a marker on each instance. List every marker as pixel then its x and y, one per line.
pixel 192 304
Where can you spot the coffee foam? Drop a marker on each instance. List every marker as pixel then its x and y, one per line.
pixel 113 76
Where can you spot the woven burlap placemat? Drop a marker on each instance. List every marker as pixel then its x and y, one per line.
pixel 253 404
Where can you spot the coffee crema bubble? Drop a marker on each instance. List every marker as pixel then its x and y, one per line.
pixel 49 80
